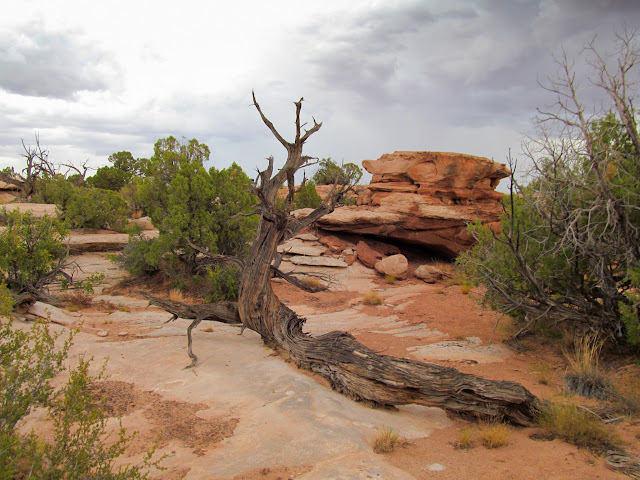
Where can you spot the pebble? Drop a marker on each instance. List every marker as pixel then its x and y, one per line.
pixel 123 334
pixel 436 467
pixel 102 333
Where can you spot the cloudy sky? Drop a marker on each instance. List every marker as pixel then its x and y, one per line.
pixel 95 78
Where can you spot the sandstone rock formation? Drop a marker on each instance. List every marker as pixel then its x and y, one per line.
pixel 425 198
pixel 396 265
pixel 430 274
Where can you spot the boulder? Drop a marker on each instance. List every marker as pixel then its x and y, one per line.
pixel 425 198
pixel 396 265
pixel 350 258
pixel 333 243
pixel 367 255
pixel 429 273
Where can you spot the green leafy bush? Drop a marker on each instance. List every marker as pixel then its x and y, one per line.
pixel 329 172
pixel 307 196
pixel 31 250
pixel 190 205
pixel 56 190
pixel 139 257
pixel 96 208
pixel 121 173
pixel 224 281
pixel 28 360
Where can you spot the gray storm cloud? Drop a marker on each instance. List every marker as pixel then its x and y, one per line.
pixel 34 62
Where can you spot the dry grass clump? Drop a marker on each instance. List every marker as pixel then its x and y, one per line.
pixel 106 306
pixel 77 299
pixel 313 283
pixel 544 372
pixel 457 278
pixel 576 425
pixel 123 308
pixel 626 382
pixel 372 298
pixel 447 267
pixel 386 441
pixel 390 279
pixel 493 435
pixel 176 295
pixel 586 378
pixel 465 439
pixel 465 287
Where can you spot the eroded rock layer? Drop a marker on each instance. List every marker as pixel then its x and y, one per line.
pixel 426 198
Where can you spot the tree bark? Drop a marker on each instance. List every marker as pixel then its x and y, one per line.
pixel 350 367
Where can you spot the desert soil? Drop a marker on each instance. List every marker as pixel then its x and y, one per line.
pixel 246 413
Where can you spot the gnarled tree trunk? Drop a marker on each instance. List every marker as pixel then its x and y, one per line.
pixel 350 367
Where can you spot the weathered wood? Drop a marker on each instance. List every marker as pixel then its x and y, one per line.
pixel 224 312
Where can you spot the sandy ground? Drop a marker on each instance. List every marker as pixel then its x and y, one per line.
pixel 245 413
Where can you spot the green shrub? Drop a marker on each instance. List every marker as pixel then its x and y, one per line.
pixel 188 204
pixel 31 250
pixel 96 208
pixel 307 196
pixel 224 281
pixel 139 257
pixel 28 360
pixel 114 177
pixel 56 190
pixel 6 301
pixel 329 172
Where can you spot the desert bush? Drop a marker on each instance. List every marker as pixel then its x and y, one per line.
pixel 390 279
pixel 575 425
pixel 386 441
pixel 56 190
pixel 31 251
pixel 329 172
pixel 224 283
pixel 76 300
pixel 139 257
pixel 567 252
pixel 96 208
pixel 28 360
pixel 372 298
pixel 307 196
pixel 6 301
pixel 190 205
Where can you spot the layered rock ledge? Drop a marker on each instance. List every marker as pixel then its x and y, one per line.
pixel 425 198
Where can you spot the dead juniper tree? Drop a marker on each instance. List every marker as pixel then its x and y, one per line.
pixel 350 368
pixel 37 166
pixel 569 251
